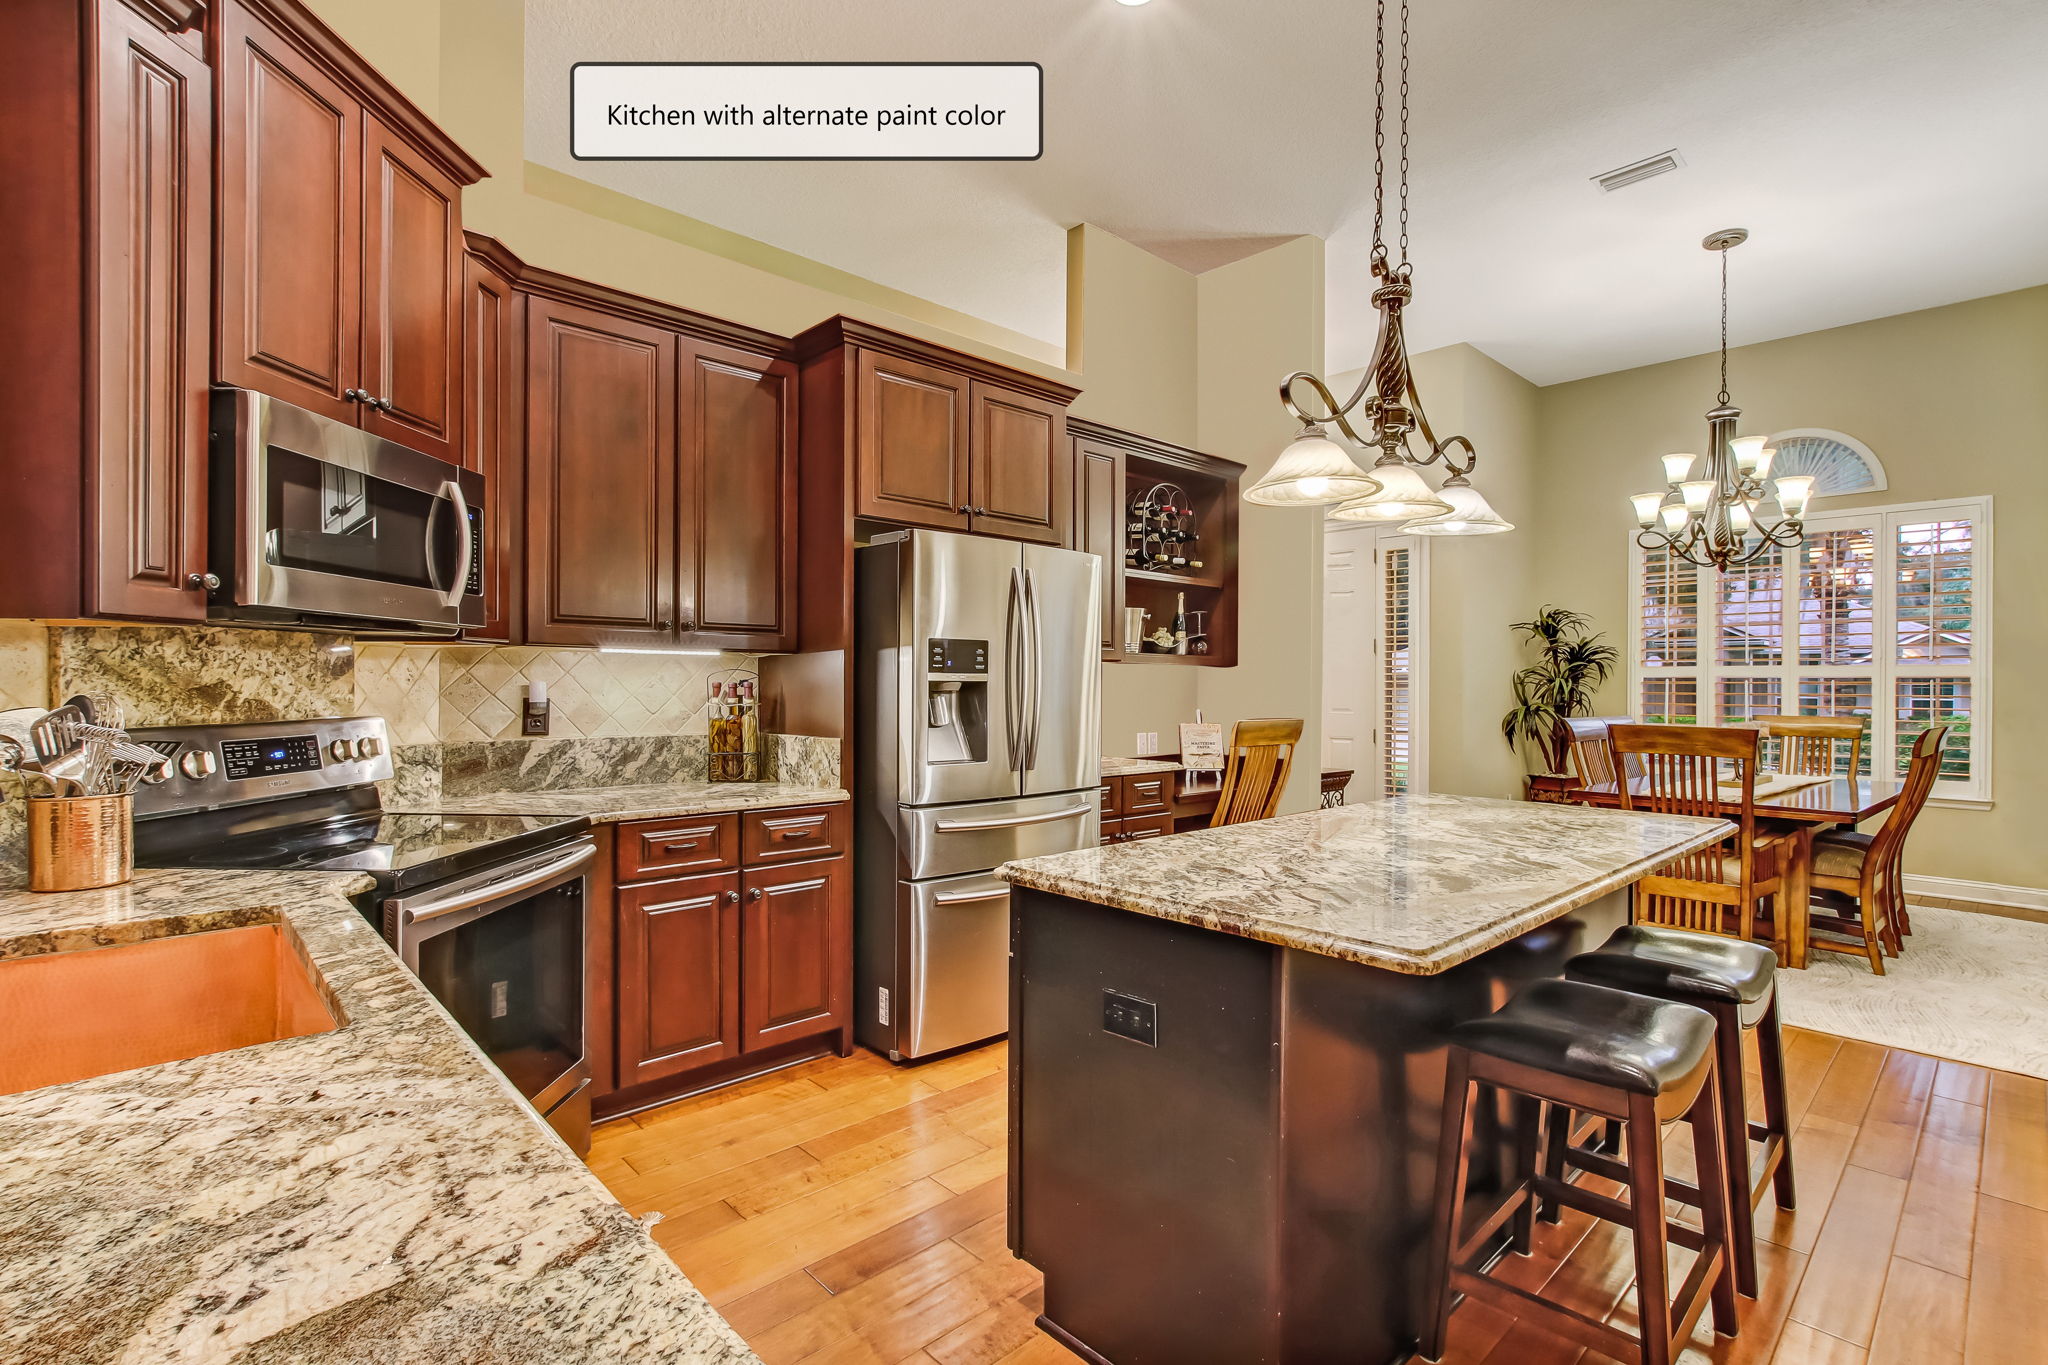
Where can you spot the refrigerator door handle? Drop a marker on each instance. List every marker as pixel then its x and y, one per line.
pixel 1035 661
pixel 1013 821
pixel 1013 672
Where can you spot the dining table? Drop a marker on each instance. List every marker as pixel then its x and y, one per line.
pixel 1805 811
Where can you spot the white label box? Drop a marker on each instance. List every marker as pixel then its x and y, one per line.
pixel 806 111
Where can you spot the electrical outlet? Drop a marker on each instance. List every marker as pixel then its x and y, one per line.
pixel 1148 742
pixel 1127 1016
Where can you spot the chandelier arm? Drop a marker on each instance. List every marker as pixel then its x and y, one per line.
pixel 1333 412
pixel 1439 450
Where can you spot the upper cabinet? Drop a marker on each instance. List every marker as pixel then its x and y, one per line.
pixel 943 439
pixel 103 368
pixel 660 485
pixel 493 422
pixel 339 262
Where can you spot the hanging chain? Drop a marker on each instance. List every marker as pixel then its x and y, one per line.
pixel 1404 133
pixel 1723 399
pixel 1379 132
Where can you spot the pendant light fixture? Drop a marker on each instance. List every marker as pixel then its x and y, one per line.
pixel 1315 469
pixel 1716 520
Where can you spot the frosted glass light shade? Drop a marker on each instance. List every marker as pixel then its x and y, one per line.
pixel 1748 452
pixel 1794 492
pixel 1402 496
pixel 1312 470
pixel 1764 459
pixel 1696 494
pixel 1675 517
pixel 1676 467
pixel 1646 505
pixel 1470 514
pixel 1738 519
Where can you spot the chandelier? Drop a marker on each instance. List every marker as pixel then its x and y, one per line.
pixel 1314 470
pixel 1714 521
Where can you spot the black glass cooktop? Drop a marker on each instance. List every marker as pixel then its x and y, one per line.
pixel 401 851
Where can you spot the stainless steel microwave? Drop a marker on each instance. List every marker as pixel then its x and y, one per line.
pixel 318 524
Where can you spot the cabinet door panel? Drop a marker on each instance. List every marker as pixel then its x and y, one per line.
pixel 793 947
pixel 412 253
pixel 910 436
pixel 493 326
pixel 1099 528
pixel 290 242
pixel 678 988
pixel 600 483
pixel 738 419
pixel 1022 480
pixel 154 159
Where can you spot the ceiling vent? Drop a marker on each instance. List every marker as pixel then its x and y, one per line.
pixel 1623 176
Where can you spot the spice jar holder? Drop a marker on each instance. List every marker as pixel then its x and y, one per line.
pixel 734 712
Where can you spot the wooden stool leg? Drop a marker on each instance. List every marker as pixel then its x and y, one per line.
pixel 1770 1056
pixel 1722 1189
pixel 1528 1119
pixel 1646 1222
pixel 1449 1207
pixel 1557 1131
pixel 1734 1131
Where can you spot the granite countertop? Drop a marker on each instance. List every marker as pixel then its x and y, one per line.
pixel 1131 767
pixel 378 1193
pixel 655 801
pixel 1415 885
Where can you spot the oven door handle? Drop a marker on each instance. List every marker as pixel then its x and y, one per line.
pixel 414 912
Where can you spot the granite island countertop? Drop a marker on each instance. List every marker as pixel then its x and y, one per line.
pixel 1416 885
pixel 378 1193
pixel 651 801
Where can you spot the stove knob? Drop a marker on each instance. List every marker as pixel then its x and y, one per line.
pixel 340 751
pixel 369 748
pixel 197 764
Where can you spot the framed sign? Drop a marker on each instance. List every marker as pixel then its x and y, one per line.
pixel 1201 747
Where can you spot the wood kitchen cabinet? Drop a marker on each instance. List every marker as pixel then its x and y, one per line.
pixel 493 425
pixel 660 474
pixel 940 438
pixel 1099 527
pixel 339 255
pixel 104 366
pixel 733 947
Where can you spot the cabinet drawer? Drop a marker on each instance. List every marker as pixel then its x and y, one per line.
pixel 786 836
pixel 666 848
pixel 1112 797
pixel 1149 794
pixel 1112 833
pixel 1145 827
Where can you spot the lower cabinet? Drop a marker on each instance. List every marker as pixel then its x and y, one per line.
pixel 745 961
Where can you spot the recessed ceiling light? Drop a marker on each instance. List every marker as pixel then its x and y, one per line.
pixel 1134 3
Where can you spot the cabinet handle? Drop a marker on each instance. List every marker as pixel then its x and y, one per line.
pixel 793 833
pixel 754 894
pixel 382 404
pixel 684 847
pixel 963 509
pixel 733 897
pixel 664 625
pixel 981 511
pixel 686 626
pixel 356 395
pixel 208 581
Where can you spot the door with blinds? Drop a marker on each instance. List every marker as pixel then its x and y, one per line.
pixel 1373 614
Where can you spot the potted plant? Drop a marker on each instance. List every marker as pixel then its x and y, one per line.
pixel 1571 665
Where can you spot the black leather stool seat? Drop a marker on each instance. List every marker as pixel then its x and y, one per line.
pixel 1677 964
pixel 1595 1034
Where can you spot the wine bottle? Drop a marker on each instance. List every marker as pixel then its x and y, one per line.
pixel 1180 623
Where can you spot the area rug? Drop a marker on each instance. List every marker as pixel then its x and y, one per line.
pixel 1970 988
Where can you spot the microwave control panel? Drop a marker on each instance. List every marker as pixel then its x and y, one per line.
pixel 242 759
pixel 475 586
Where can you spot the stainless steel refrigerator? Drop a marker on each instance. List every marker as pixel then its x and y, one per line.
pixel 977 741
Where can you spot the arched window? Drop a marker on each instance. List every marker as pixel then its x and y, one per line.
pixel 1839 464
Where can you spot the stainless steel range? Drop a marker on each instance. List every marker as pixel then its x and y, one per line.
pixel 487 910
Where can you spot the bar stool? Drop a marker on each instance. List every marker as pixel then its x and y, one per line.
pixel 1736 983
pixel 1613 1054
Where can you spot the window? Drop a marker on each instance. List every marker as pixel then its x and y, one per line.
pixel 1882 613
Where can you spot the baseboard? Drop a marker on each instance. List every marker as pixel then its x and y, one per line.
pixel 1983 893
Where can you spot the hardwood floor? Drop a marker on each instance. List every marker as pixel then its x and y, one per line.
pixel 849 1211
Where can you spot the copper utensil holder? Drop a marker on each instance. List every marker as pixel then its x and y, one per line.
pixel 76 843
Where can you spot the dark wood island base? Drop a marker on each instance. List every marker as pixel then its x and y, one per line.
pixel 1252 1183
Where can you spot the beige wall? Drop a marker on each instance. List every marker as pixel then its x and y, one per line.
pixel 1953 400
pixel 1257 320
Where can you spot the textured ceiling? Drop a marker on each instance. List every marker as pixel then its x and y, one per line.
pixel 1882 153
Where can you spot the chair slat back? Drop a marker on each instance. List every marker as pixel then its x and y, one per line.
pixel 1592 762
pixel 1808 745
pixel 1681 776
pixel 1921 771
pixel 1255 770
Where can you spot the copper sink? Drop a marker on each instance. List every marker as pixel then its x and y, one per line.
pixel 94 1011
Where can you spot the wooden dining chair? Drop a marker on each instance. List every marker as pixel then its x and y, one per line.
pixel 1592 761
pixel 1714 889
pixel 1806 745
pixel 1859 879
pixel 1255 770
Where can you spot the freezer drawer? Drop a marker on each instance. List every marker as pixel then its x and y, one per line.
pixel 958 941
pixel 944 841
